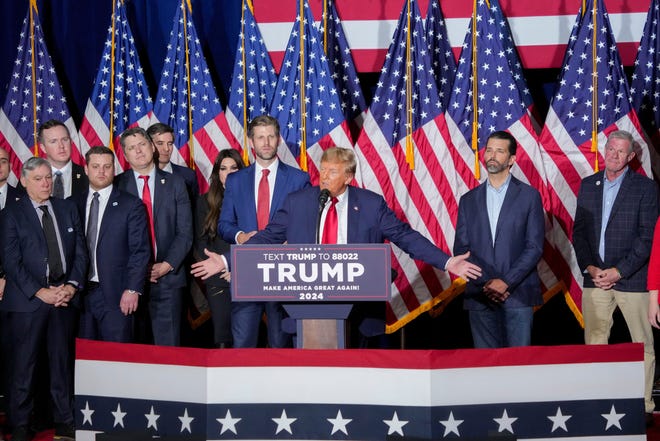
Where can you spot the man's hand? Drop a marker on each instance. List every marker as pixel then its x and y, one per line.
pixel 209 267
pixel 53 295
pixel 496 290
pixel 606 279
pixel 3 282
pixel 242 237
pixel 158 270
pixel 129 302
pixel 462 268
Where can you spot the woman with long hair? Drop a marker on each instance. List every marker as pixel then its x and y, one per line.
pixel 207 213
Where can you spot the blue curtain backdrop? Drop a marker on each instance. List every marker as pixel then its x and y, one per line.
pixel 76 31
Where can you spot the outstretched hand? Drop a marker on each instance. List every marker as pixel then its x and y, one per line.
pixel 460 266
pixel 209 267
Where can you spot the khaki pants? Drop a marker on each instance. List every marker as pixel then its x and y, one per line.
pixel 598 306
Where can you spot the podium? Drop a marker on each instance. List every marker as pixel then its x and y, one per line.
pixel 317 284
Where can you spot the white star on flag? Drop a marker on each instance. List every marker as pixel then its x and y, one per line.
pixel 87 414
pixel 395 425
pixel 152 419
pixel 613 418
pixel 185 421
pixel 451 425
pixel 284 423
pixel 228 423
pixel 505 423
pixel 119 416
pixel 339 423
pixel 559 420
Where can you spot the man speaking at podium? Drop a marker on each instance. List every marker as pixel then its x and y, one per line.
pixel 349 215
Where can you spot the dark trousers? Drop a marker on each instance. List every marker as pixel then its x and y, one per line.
pixel 54 327
pixel 165 314
pixel 102 321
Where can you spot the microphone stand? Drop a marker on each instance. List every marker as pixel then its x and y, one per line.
pixel 323 199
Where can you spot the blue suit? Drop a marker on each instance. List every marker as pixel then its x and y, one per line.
pixel 123 252
pixel 239 213
pixel 190 177
pixel 33 323
pixel 512 257
pixel 174 232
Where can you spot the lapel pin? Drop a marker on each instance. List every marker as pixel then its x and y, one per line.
pixel 162 181
pixel 115 203
pixel 597 182
pixel 355 208
pixel 77 175
pixel 70 230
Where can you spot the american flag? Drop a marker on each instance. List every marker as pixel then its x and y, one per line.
pixel 645 85
pixel 444 64
pixel 540 29
pixel 589 393
pixel 424 194
pixel 566 140
pixel 500 105
pixel 342 67
pixel 187 100
pixel 315 121
pixel 120 98
pixel 253 81
pixel 34 96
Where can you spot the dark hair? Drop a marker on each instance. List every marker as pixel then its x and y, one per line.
pixel 216 192
pixel 263 120
pixel 506 136
pixel 49 125
pixel 158 129
pixel 132 132
pixel 99 150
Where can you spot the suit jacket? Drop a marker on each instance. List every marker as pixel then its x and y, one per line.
pixel 79 181
pixel 629 231
pixel 518 246
pixel 369 220
pixel 25 252
pixel 123 250
pixel 172 221
pixel 190 178
pixel 239 209
pixel 13 195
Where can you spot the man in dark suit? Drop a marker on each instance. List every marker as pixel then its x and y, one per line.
pixel 362 216
pixel 119 252
pixel 501 223
pixel 612 235
pixel 162 136
pixel 252 196
pixel 45 259
pixel 169 218
pixel 68 178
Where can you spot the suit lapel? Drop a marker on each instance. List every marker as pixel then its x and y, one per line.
pixel 110 208
pixel 161 182
pixel 353 217
pixel 280 188
pixel 623 191
pixel 507 204
pixel 482 214
pixel 248 185
pixel 598 202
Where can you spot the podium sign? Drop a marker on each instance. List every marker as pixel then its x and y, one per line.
pixel 311 273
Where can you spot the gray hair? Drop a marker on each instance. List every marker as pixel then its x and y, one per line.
pixel 625 135
pixel 32 164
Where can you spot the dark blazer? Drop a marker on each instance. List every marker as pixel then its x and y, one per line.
pixel 239 209
pixel 13 195
pixel 629 232
pixel 190 177
pixel 79 181
pixel 173 223
pixel 123 250
pixel 25 253
pixel 369 221
pixel 518 247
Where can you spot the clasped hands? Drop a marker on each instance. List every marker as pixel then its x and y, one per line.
pixel 496 290
pixel 57 295
pixel 604 278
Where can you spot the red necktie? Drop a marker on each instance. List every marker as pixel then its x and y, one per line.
pixel 331 224
pixel 146 199
pixel 263 200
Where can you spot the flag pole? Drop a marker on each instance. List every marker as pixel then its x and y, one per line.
pixel 410 154
pixel 325 26
pixel 191 138
pixel 475 100
pixel 303 134
pixel 594 87
pixel 245 154
pixel 111 141
pixel 33 10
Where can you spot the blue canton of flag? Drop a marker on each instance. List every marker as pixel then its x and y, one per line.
pixel 444 64
pixel 566 139
pixel 34 96
pixel 342 67
pixel 253 80
pixel 322 121
pixel 187 99
pixel 645 85
pixel 119 88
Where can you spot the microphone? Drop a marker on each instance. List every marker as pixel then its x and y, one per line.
pixel 323 197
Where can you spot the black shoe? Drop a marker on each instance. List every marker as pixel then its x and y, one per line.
pixel 21 433
pixel 648 418
pixel 65 431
